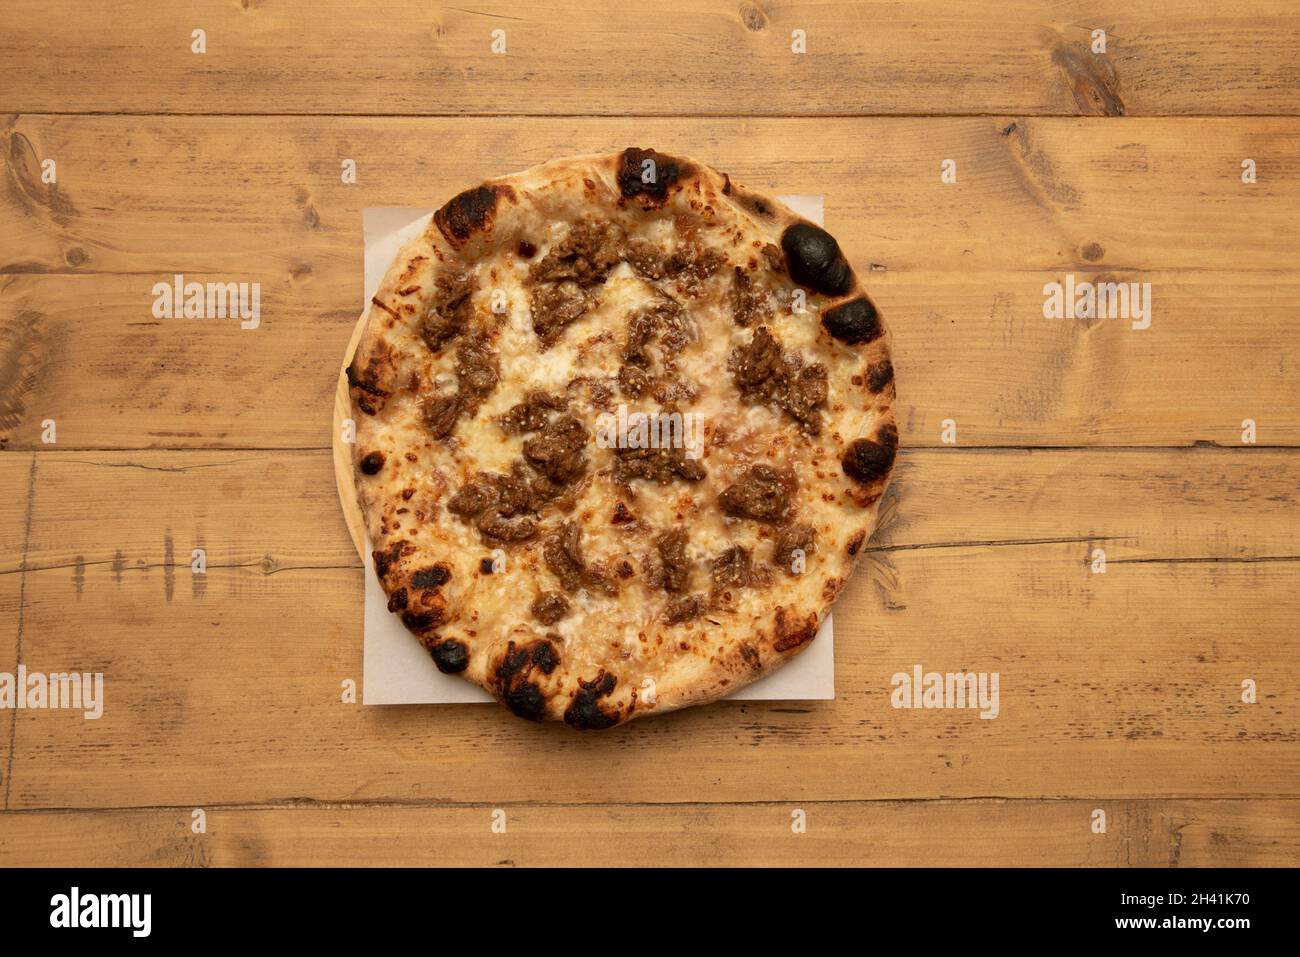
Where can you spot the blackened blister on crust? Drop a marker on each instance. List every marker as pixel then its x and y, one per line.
pixel 366 392
pixel 526 701
pixel 585 712
pixel 870 459
pixel 880 375
pixel 372 463
pixel 631 174
pixel 815 259
pixel 435 576
pixel 384 558
pixel 418 621
pixel 853 322
pixel 472 211
pixel 545 657
pixel 451 656
pixel 513 674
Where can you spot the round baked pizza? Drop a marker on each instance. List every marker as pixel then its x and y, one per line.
pixel 622 431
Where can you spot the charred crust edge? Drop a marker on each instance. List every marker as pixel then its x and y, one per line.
pixel 814 259
pixel 880 375
pixel 469 212
pixel 854 322
pixel 585 713
pixel 523 696
pixel 368 395
pixel 868 460
pixel 450 655
pixel 435 576
pixel 668 170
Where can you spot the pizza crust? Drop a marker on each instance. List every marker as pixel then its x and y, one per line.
pixel 429 427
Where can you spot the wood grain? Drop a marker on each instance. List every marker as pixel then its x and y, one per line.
pixel 1119 690
pixel 684 56
pixel 17 473
pixel 264 195
pixel 958 270
pixel 226 689
pixel 1160 833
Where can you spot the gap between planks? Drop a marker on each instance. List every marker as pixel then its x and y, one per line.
pixel 22 603
pixel 18 113
pixel 1194 446
pixel 311 804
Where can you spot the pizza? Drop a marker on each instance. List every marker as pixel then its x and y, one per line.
pixel 622 428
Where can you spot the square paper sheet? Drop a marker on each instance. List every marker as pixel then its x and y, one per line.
pixel 397 670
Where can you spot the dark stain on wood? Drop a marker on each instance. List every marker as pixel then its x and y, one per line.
pixel 309 214
pixel 23 354
pixel 24 167
pixel 1092 80
pixel 169 567
pixel 1037 172
pixel 753 17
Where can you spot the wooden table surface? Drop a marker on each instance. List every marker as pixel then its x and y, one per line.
pixel 1120 692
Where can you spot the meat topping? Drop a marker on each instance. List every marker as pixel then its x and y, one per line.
pixel 585 256
pixel 549 607
pixel 533 413
pixel 757 364
pixel 440 412
pixel 633 381
pixel 682 608
pixel 750 302
pixel 763 372
pixel 502 507
pixel 497 528
pixel 689 264
pixel 450 310
pixel 788 539
pixel 554 307
pixel 474 497
pixel 774 257
pixel 558 452
pixel 761 493
pixel 735 568
pixel 563 553
pixel 478 373
pixel 656 465
pixel 669 322
pixel 676 568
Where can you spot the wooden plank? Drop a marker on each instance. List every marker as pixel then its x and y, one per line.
pixel 16 475
pixel 974 349
pixel 1210 56
pixel 268 511
pixel 227 690
pixel 970 833
pixel 958 270
pixel 263 195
